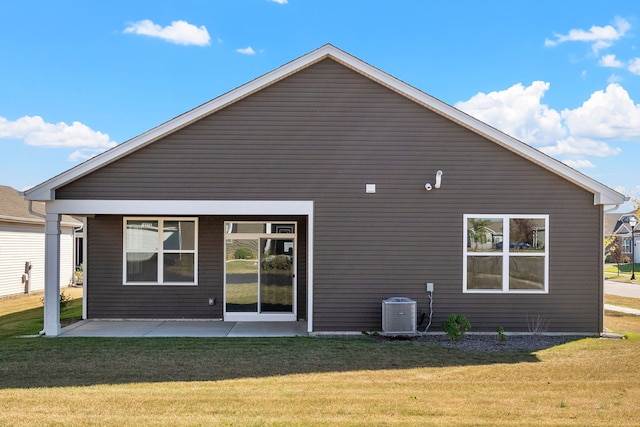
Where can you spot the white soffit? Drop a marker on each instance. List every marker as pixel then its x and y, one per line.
pixel 602 193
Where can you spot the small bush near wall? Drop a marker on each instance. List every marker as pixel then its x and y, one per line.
pixel 456 326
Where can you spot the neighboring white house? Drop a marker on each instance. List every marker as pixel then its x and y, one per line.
pixel 22 245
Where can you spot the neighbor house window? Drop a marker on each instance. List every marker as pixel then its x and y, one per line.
pixel 160 251
pixel 626 245
pixel 506 253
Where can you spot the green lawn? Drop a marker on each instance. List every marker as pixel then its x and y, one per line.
pixel 622 272
pixel 310 381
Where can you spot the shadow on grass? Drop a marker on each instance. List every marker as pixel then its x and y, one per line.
pixel 24 322
pixel 41 362
pixel 30 322
pixel 61 362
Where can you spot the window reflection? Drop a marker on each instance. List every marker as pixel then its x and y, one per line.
pixel 484 234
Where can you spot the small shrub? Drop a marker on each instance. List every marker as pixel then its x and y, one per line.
pixel 78 274
pixel 65 300
pixel 243 253
pixel 501 336
pixel 537 324
pixel 456 326
pixel 278 262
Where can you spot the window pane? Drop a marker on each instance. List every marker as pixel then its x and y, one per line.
pixel 242 275
pixel 484 234
pixel 526 272
pixel 259 228
pixel 484 272
pixel 245 227
pixel 142 235
pixel 283 228
pixel 526 234
pixel 142 267
pixel 178 267
pixel 276 275
pixel 179 235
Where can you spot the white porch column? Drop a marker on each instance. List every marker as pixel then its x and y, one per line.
pixel 52 275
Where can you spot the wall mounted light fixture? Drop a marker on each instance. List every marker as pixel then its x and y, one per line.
pixel 438 183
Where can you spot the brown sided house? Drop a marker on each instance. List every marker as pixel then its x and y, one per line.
pixel 317 191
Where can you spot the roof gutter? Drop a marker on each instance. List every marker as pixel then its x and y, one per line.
pixel 617 205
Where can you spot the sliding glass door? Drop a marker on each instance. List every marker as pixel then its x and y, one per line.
pixel 260 279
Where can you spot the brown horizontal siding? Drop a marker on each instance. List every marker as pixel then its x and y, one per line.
pixel 109 298
pixel 325 132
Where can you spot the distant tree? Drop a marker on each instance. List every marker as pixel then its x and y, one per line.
pixel 613 250
pixel 478 231
pixel 521 230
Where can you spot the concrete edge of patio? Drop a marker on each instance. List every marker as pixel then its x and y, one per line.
pixel 182 328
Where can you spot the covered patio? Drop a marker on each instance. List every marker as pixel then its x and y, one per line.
pixel 182 328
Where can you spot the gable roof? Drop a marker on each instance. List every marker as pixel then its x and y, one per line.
pixel 602 194
pixel 15 209
pixel 618 224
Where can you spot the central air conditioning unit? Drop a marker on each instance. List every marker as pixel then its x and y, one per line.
pixel 399 316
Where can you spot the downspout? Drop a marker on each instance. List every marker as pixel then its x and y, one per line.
pixel 616 206
pixel 27 268
pixel 34 213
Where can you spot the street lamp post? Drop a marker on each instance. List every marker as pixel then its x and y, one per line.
pixel 633 222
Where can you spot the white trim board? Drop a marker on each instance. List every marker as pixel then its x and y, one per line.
pixel 180 207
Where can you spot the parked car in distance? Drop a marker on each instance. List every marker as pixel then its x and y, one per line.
pixel 520 245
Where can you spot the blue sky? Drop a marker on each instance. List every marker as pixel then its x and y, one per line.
pixel 78 77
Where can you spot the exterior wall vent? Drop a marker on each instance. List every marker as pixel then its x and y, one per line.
pixel 399 316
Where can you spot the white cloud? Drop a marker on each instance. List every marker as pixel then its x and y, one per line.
pixel 610 61
pixel 614 78
pixel 246 51
pixel 609 114
pixel 33 130
pixel 83 154
pixel 179 32
pixel 634 66
pixel 280 1
pixel 571 136
pixel 600 37
pixel 579 164
pixel 574 149
pixel 518 112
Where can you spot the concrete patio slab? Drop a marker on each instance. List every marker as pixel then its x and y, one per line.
pixel 182 328
pixel 268 329
pixel 191 329
pixel 110 328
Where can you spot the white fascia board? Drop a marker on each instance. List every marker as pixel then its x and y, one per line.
pixel 180 207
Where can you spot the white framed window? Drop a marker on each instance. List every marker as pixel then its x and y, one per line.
pixel 626 245
pixel 506 253
pixel 160 251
